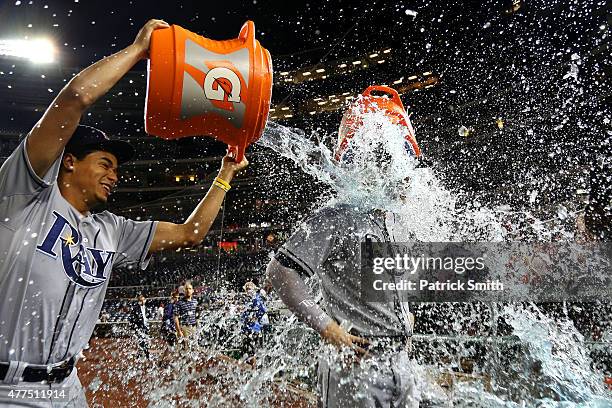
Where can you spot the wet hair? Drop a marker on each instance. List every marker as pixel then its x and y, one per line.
pixel 80 155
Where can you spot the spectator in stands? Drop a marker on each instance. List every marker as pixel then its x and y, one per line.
pixel 140 324
pixel 104 317
pixel 160 311
pixel 168 327
pixel 185 317
pixel 252 326
pixel 104 329
pixel 266 327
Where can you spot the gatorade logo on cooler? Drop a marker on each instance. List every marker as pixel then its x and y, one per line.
pixel 202 87
pixel 220 78
pixel 211 83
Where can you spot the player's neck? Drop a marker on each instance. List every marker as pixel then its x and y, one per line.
pixel 75 197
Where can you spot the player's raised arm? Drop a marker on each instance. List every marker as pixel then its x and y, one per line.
pixel 49 136
pixel 191 233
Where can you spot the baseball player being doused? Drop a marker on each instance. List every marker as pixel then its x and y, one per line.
pixel 377 150
pixel 56 252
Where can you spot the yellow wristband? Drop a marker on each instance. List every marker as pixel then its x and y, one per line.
pixel 223 182
pixel 221 186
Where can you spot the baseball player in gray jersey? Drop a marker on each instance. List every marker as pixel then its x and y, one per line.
pixel 327 246
pixel 56 254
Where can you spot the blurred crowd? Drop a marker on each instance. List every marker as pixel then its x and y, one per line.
pixel 236 321
pixel 197 267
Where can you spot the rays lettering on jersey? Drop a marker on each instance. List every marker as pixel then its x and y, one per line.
pixel 87 267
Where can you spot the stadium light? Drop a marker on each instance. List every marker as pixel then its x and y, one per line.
pixel 39 51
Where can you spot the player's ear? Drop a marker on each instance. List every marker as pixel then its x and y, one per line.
pixel 68 162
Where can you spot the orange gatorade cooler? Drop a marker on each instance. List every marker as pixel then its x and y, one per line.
pixel 197 86
pixel 390 104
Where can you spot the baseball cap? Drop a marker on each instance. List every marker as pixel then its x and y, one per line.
pixel 89 138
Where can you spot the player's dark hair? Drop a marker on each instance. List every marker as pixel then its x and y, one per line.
pixel 82 154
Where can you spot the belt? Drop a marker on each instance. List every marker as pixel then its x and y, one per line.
pixel 32 374
pixel 385 344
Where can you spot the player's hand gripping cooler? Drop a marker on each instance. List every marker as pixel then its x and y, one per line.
pixel 197 86
pixel 390 104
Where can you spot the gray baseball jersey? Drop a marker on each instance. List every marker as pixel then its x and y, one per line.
pixel 328 245
pixel 55 264
pixel 389 381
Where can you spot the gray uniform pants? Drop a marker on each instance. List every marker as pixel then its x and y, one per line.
pixel 380 382
pixel 71 386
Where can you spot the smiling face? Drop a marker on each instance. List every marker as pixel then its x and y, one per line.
pixel 93 177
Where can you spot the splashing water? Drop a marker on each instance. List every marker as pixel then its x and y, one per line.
pixel 545 363
pixel 416 194
pixel 382 175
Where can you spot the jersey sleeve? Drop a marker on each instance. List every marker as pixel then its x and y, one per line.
pixel 17 177
pixel 309 247
pixel 134 240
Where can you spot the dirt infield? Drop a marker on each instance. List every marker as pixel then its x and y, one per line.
pixel 114 376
